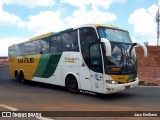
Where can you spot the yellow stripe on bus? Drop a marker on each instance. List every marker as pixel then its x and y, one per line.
pixel 120 78
pixel 25 64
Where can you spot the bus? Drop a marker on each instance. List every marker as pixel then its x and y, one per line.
pixel 94 57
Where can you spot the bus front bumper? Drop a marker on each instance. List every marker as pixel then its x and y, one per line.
pixel 114 88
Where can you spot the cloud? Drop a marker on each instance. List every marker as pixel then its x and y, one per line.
pixel 6 42
pixel 83 16
pixel 30 3
pixel 94 3
pixel 144 21
pixel 88 12
pixel 150 40
pixel 38 23
pixel 8 18
pixel 45 21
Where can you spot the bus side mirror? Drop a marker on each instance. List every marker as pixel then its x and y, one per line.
pixel 107 46
pixel 143 47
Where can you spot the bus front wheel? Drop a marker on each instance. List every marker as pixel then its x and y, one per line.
pixel 71 84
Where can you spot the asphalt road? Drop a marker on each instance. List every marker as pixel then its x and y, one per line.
pixel 43 97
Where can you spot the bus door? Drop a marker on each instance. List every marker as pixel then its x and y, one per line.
pixel 96 68
pixel 91 72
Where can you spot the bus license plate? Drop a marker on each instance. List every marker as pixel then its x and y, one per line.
pixel 127 87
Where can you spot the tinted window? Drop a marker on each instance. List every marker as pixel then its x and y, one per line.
pixel 44 46
pixel 36 47
pixel 55 44
pixel 114 35
pixel 26 48
pixel 70 41
pixel 88 36
pixel 30 49
pixel 22 48
pixel 75 46
pixel 59 43
pixel 17 50
pixel 95 58
pixel 11 51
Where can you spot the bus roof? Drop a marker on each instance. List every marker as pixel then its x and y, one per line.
pixel 70 29
pixel 49 34
pixel 41 36
pixel 103 25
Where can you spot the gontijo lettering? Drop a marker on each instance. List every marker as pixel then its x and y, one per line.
pixel 26 60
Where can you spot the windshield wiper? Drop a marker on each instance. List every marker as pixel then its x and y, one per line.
pixel 130 58
pixel 134 44
pixel 124 62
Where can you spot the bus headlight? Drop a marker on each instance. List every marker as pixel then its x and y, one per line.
pixel 111 82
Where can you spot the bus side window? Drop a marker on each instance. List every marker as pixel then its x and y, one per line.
pixel 66 42
pixel 36 47
pixel 95 58
pixel 44 46
pixel 11 51
pixel 30 48
pixel 59 43
pixel 40 46
pixel 22 48
pixel 88 36
pixel 17 51
pixel 26 48
pixel 70 41
pixel 74 37
pixel 54 45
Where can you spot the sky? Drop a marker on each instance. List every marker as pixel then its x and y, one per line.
pixel 21 20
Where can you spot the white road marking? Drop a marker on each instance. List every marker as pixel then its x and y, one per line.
pixel 44 118
pixel 8 107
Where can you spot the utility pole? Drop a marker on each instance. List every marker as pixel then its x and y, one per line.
pixel 158 24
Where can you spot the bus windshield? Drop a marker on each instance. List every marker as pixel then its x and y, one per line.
pixel 123 57
pixel 122 61
pixel 114 35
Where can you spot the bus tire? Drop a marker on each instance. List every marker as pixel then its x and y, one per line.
pixel 16 75
pixel 21 78
pixel 71 84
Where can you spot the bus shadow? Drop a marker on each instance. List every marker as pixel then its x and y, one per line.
pixel 111 97
pixel 114 96
pixel 42 85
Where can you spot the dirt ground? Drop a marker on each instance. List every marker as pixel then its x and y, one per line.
pixel 149 82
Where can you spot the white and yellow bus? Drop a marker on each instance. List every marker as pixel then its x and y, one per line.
pixel 94 58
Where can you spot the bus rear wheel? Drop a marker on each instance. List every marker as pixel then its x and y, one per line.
pixel 71 84
pixel 21 78
pixel 16 75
